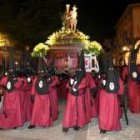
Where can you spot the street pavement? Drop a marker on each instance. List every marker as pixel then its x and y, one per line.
pixel 89 132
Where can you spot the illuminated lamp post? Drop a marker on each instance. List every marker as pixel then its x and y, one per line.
pixel 126 53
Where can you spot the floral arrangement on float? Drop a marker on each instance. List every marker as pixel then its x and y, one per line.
pixel 93 47
pixel 67 36
pixel 40 50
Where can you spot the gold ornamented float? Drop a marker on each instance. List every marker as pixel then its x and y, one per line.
pixel 67 43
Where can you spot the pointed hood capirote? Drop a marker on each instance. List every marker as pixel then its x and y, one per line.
pixel 81 72
pixel 41 83
pixel 20 67
pixel 112 79
pixel 11 74
pixel 103 64
pixel 52 65
pixel 133 69
pixel 11 69
pixel 45 66
pixel 27 62
pixel 40 69
pixel 27 65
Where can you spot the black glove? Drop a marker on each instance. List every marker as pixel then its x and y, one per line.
pixel 32 98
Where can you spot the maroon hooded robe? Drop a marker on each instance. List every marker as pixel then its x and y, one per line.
pixel 53 96
pixel 109 109
pixel 10 116
pixel 75 110
pixel 90 102
pixel 133 92
pixel 41 114
pixel 26 105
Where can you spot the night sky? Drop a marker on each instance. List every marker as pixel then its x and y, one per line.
pixel 97 18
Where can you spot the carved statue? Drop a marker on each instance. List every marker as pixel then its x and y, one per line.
pixel 71 18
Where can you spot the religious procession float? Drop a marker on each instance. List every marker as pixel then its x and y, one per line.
pixel 67 43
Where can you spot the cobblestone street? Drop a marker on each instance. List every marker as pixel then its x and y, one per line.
pixel 90 132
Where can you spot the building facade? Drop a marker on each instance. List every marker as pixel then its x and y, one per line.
pixel 129 23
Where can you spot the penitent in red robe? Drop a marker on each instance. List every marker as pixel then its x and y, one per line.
pixel 89 100
pixel 109 109
pixel 26 105
pixel 75 111
pixel 98 82
pixel 63 91
pixel 133 92
pixel 10 116
pixel 53 97
pixel 41 115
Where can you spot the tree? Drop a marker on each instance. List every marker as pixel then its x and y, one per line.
pixel 28 22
